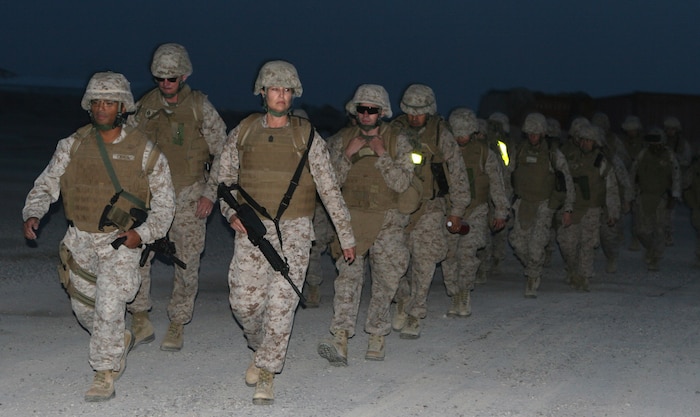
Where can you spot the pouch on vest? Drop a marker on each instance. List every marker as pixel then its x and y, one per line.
pixel 409 200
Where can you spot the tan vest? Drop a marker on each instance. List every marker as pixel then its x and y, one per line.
pixel 475 153
pixel 655 173
pixel 533 178
pixel 589 184
pixel 177 130
pixel 86 187
pixel 268 159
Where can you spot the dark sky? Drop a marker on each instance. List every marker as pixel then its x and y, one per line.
pixel 460 48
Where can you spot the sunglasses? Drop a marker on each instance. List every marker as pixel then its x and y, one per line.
pixel 368 109
pixel 160 80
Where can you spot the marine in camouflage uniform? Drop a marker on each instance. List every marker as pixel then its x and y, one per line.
pixel 188 129
pixel 537 198
pixel 374 166
pixel 442 172
pixel 657 179
pixel 261 156
pixel 596 187
pixel 691 196
pixel 99 278
pixel 684 155
pixel 459 269
pixel 633 140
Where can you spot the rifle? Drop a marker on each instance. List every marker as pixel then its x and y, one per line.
pixel 165 247
pixel 137 216
pixel 256 235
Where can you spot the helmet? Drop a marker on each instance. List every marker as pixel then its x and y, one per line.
pixel 655 136
pixel 576 125
pixel 632 123
pixel 535 123
pixel 591 132
pixel 553 128
pixel 171 60
pixel 418 99
pixel 502 119
pixel 108 86
pixel 370 94
pixel 278 74
pixel 672 123
pixel 601 120
pixel 463 122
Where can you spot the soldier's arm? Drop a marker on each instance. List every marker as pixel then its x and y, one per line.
pixel 459 180
pixel 398 172
pixel 340 163
pixel 560 164
pixel 228 167
pixel 497 188
pixel 214 131
pixel 160 216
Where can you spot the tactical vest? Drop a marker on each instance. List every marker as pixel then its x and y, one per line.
pixel 533 178
pixel 268 159
pixel 426 141
pixel 86 187
pixel 654 172
pixel 177 130
pixel 475 154
pixel 691 195
pixel 589 184
pixel 364 186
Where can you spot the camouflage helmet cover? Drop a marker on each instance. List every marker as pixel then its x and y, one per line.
pixel 553 128
pixel 655 136
pixel 278 74
pixel 601 120
pixel 108 86
pixel 171 60
pixel 463 122
pixel 370 94
pixel 502 119
pixel 576 125
pixel 591 132
pixel 535 123
pixel 632 123
pixel 672 123
pixel 418 99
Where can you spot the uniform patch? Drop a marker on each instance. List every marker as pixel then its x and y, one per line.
pixel 531 159
pixel 121 157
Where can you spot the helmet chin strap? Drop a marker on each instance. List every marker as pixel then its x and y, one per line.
pixel 367 128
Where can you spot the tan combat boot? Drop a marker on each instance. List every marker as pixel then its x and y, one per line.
pixel 128 345
pixel 102 388
pixel 531 287
pixel 264 394
pixel 335 350
pixel 375 348
pixel 142 328
pixel 174 338
pixel 400 316
pixel 252 374
pixel 456 300
pixel 412 328
pixel 313 296
pixel 465 304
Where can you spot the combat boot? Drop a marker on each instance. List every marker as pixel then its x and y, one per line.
pixel 174 338
pixel 128 345
pixel 456 299
pixel 335 350
pixel 252 374
pixel 412 328
pixel 375 348
pixel 142 328
pixel 400 316
pixel 102 388
pixel 611 266
pixel 264 394
pixel 531 287
pixel 634 245
pixel 313 296
pixel 481 276
pixel 465 304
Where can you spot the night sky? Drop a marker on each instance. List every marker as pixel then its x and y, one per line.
pixel 462 49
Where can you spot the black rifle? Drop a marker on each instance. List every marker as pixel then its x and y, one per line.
pixel 256 235
pixel 138 215
pixel 165 247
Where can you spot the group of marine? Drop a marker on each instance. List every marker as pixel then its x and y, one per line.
pixel 402 195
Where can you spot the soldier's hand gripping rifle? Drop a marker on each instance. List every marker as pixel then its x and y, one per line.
pixel 256 235
pixel 165 247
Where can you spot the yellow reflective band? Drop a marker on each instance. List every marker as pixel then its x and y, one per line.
pixel 416 158
pixel 504 152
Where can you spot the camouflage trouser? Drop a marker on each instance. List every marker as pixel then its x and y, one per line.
pixel 611 237
pixel 650 227
pixel 695 221
pixel 388 260
pixel 461 264
pixel 188 233
pixel 323 229
pixel 117 282
pixel 262 301
pixel 528 244
pixel 428 246
pixel 578 243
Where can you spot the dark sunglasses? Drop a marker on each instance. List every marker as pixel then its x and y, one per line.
pixel 160 80
pixel 368 109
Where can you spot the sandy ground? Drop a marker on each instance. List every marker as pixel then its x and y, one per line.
pixel 627 348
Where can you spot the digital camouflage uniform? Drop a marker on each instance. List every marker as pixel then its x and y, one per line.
pixel 99 304
pixel 680 146
pixel 428 234
pixel 323 230
pixel 691 196
pixel 633 140
pixel 188 132
pixel 596 187
pixel 534 186
pixel 657 180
